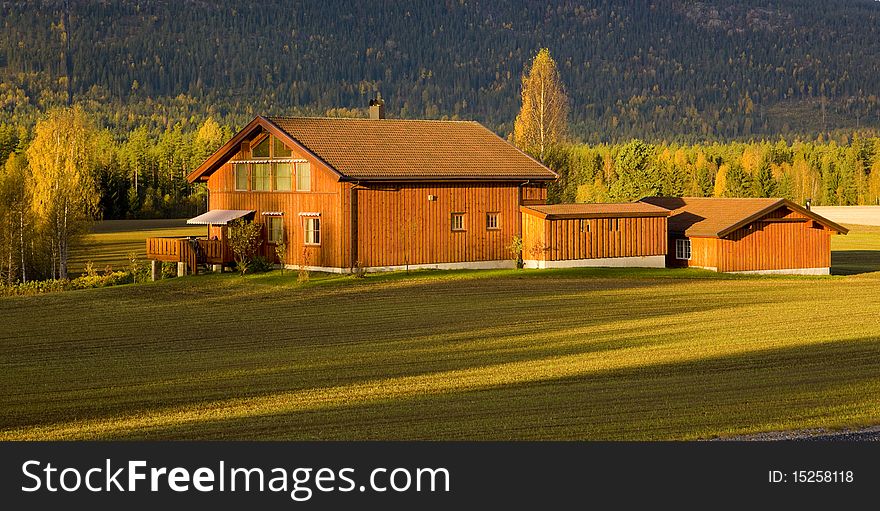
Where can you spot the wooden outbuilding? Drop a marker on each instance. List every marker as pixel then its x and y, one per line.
pixel 747 235
pixel 375 193
pixel 573 235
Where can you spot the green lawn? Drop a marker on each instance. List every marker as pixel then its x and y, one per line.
pixel 562 354
pixel 110 242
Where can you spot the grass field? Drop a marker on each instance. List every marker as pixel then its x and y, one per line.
pixel 562 354
pixel 111 241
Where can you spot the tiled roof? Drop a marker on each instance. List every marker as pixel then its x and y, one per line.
pixel 716 217
pixel 411 149
pixel 616 210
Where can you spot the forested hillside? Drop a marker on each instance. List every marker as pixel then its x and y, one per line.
pixel 658 69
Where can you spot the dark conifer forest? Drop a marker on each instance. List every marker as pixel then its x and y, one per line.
pixel 716 98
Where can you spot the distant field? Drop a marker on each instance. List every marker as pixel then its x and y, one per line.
pixel 111 241
pixel 859 215
pixel 542 354
pixel 856 252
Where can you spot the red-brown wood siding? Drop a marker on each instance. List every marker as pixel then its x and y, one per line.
pixel 398 225
pixel 563 239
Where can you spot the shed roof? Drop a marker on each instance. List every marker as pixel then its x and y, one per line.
pixel 609 210
pixel 716 217
pixel 393 149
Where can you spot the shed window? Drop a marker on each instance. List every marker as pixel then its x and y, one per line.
pixel 261 150
pixel 303 177
pixel 683 249
pixel 282 177
pixel 458 221
pixel 241 177
pixel 260 177
pixel 492 221
pixel 313 231
pixel 275 226
pixel 585 225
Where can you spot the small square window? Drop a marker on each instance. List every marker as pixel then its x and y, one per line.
pixel 492 221
pixel 313 231
pixel 458 221
pixel 585 225
pixel 683 249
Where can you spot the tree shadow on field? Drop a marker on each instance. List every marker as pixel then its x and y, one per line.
pixel 854 262
pixel 829 384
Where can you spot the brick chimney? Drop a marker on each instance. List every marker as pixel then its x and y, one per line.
pixel 377 108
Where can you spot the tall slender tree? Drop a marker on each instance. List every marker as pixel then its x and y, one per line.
pixel 543 118
pixel 64 193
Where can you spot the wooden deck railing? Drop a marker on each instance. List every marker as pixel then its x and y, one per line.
pixel 192 251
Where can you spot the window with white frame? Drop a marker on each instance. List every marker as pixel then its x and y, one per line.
pixel 313 231
pixel 240 171
pixel 683 249
pixel 303 177
pixel 492 221
pixel 281 177
pixel 458 221
pixel 260 177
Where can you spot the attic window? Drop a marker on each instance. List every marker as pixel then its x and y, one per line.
pixel 280 150
pixel 261 150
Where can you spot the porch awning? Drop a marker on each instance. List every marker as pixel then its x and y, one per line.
pixel 219 216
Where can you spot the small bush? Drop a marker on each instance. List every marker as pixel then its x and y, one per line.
pixel 259 264
pixel 89 269
pixel 516 250
pixel 169 269
pixel 302 275
pixel 139 272
pixel 358 271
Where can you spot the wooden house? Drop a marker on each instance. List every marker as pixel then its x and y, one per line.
pixel 747 235
pixel 376 193
pixel 570 235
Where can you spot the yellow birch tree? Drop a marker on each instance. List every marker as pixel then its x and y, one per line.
pixel 64 192
pixel 543 118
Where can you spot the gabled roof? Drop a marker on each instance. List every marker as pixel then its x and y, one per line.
pixel 393 149
pixel 717 217
pixel 615 210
